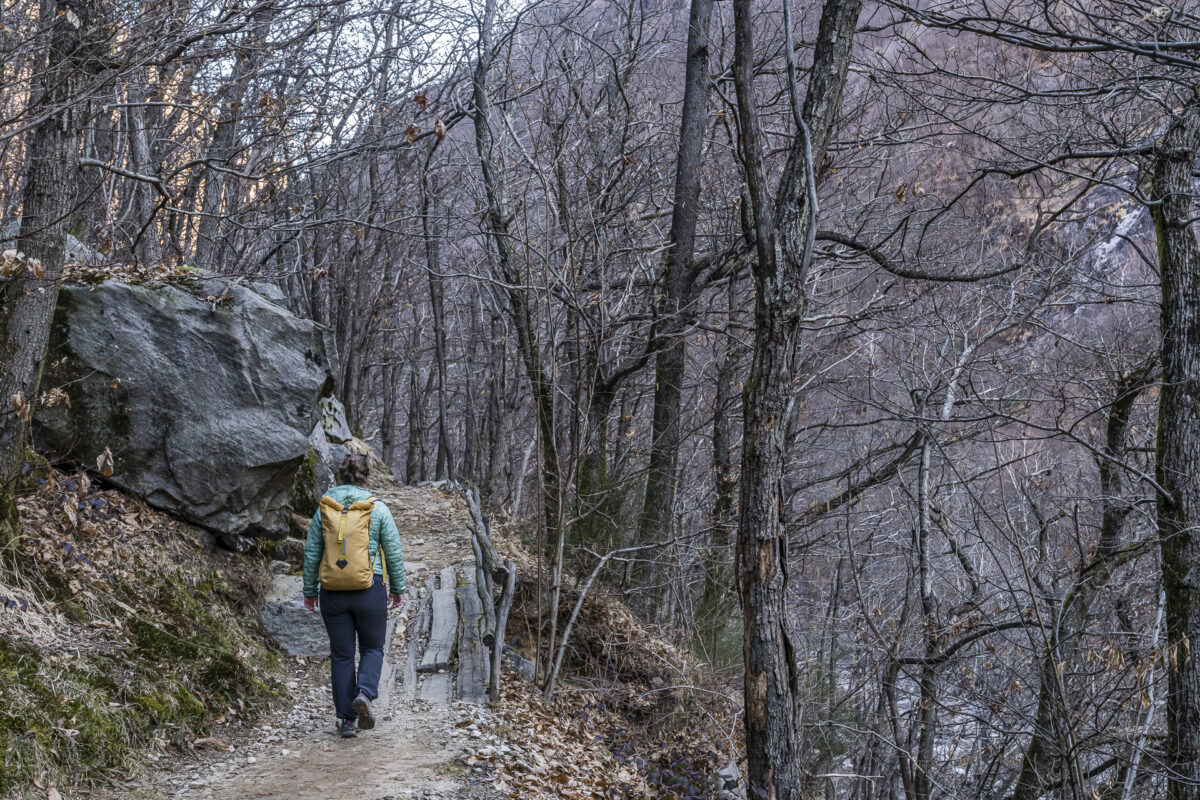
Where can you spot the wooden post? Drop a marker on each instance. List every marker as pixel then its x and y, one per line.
pixel 506 601
pixel 490 570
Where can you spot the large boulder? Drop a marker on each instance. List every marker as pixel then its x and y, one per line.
pixel 204 393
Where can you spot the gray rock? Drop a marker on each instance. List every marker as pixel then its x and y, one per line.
pixel 730 785
pixel 333 421
pixel 524 667
pixel 299 631
pixel 292 551
pixel 325 465
pixel 235 542
pixel 315 475
pixel 323 473
pixel 77 252
pixel 205 395
pixel 270 290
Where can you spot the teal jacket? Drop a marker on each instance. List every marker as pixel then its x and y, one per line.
pixel 383 531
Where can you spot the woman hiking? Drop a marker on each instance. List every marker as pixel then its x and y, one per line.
pixel 352 545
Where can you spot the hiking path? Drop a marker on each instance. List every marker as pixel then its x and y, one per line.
pixel 422 734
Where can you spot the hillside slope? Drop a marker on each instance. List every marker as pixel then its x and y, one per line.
pixel 123 633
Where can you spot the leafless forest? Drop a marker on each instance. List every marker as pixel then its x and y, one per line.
pixel 855 345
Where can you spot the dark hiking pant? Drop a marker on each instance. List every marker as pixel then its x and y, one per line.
pixel 360 614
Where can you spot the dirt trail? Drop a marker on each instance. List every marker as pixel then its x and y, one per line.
pixel 412 751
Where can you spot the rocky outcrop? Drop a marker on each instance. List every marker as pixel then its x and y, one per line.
pixel 205 394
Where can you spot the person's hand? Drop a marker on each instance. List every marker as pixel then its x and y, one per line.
pixel 395 600
pixel 310 603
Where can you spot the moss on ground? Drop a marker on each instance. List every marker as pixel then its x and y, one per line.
pixel 34 471
pixel 150 657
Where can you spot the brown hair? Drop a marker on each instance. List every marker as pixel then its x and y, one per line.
pixel 355 470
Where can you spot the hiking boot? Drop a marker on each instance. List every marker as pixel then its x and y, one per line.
pixel 346 728
pixel 362 707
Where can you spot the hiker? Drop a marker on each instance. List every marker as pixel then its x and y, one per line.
pixel 353 547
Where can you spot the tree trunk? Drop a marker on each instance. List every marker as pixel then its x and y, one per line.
pixel 1178 459
pixel 414 464
pixel 1043 761
pixel 493 421
pixel 496 223
pixel 676 312
pixel 717 599
pixel 445 455
pixel 145 240
pixel 598 514
pixel 224 142
pixel 27 302
pixel 771 677
pixel 387 422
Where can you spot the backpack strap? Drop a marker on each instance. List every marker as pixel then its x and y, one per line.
pixel 379 547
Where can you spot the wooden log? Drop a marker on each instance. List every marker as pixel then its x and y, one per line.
pixel 490 570
pixel 427 620
pixel 482 528
pixel 506 601
pixel 440 649
pixel 436 688
pixel 483 584
pixel 473 662
pixel 418 624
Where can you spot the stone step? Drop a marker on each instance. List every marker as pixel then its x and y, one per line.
pixel 436 687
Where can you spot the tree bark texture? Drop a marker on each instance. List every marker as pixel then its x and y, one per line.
pixel 496 223
pixel 1043 761
pixel 1178 453
pixel 444 469
pixel 676 310
pixel 27 302
pixel 771 677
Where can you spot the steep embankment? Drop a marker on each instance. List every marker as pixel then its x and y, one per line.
pixel 132 662
pixel 123 632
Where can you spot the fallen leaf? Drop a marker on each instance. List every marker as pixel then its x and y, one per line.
pixel 20 406
pixel 104 462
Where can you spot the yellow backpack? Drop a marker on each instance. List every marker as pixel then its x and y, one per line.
pixel 346 564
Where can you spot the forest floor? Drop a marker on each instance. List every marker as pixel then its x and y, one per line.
pixel 146 676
